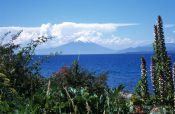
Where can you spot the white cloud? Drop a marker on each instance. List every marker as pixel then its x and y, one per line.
pixel 102 34
pixel 170 40
pixel 169 25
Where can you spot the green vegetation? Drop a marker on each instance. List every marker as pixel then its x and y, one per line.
pixel 141 90
pixel 163 79
pixel 161 75
pixel 75 90
pixel 70 90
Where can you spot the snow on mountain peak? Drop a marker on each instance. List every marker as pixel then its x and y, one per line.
pixel 82 39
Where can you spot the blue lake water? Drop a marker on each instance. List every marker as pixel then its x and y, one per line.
pixel 121 68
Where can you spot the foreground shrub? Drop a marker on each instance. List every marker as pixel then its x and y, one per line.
pixel 78 101
pixel 76 77
pixel 15 63
pixel 65 96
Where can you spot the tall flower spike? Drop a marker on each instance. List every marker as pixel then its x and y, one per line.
pixel 161 38
pixel 153 76
pixel 144 79
pixel 155 44
pixel 174 83
pixel 161 88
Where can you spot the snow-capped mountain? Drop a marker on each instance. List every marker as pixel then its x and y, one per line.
pixel 77 47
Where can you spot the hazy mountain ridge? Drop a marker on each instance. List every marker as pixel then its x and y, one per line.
pixel 147 49
pixel 77 47
pixel 80 47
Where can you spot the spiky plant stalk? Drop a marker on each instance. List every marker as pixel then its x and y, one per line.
pixel 156 43
pixel 163 68
pixel 155 63
pixel 166 66
pixel 162 55
pixel 169 81
pixel 161 88
pixel 174 83
pixel 161 38
pixel 154 77
pixel 144 81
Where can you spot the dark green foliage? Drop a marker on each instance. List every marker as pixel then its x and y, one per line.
pixel 15 62
pixel 76 77
pixel 144 79
pixel 161 75
pixel 54 98
pixel 161 67
pixel 77 101
pixel 6 91
pixel 71 90
pixel 154 79
pixel 174 83
pixel 161 88
pixel 19 78
pixel 161 39
pixel 141 89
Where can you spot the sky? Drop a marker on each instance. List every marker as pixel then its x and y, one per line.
pixel 116 24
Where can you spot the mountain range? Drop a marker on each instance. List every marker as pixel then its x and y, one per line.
pixel 80 47
pixel 77 47
pixel 147 49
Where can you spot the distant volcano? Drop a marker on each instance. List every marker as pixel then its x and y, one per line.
pixel 77 47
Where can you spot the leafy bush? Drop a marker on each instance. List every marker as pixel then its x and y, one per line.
pixel 76 77
pixel 71 90
pixel 15 62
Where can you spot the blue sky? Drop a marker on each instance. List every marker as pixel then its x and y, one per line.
pixel 139 15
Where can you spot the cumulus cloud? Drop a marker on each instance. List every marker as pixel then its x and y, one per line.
pixel 63 33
